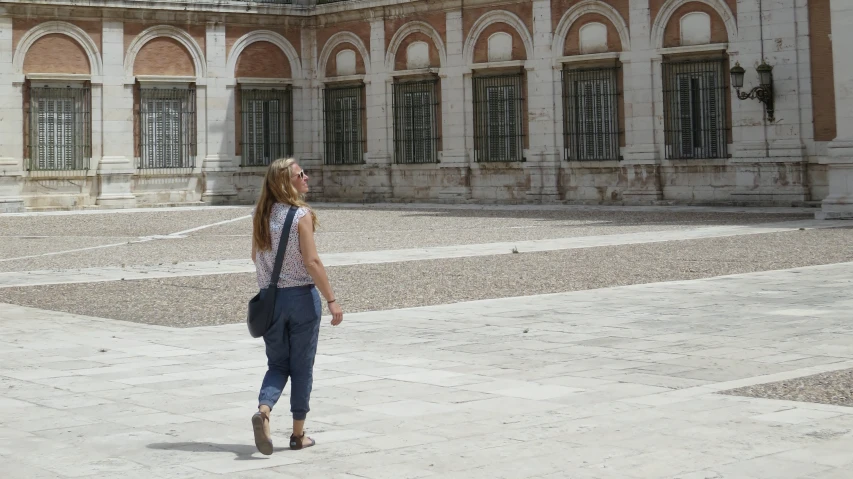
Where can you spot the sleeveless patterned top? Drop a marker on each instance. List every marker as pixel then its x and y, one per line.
pixel 293 271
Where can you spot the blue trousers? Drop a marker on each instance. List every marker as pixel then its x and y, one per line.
pixel 291 345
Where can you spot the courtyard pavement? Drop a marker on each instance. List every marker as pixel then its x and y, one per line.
pixel 629 376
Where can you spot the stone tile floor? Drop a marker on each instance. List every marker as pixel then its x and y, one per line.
pixel 621 382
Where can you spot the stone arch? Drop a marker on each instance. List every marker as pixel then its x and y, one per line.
pixel 168 31
pixel 405 31
pixel 264 36
pixel 47 28
pixel 334 41
pixel 669 8
pixel 573 14
pixel 496 16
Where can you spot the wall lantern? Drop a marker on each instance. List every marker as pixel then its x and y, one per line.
pixel 763 92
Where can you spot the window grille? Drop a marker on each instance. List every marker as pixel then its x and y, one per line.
pixel 167 125
pixel 498 118
pixel 591 114
pixel 267 128
pixel 695 109
pixel 415 127
pixel 344 113
pixel 60 130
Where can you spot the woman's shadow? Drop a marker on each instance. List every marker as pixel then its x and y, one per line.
pixel 242 451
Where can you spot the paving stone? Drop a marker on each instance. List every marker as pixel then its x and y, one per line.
pixel 601 386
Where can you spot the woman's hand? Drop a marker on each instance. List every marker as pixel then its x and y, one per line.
pixel 337 313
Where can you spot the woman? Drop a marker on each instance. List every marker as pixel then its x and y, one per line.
pixel 291 341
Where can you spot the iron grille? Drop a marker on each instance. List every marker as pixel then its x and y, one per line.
pixel 591 114
pixel 344 113
pixel 60 130
pixel 498 118
pixel 167 124
pixel 415 128
pixel 267 126
pixel 695 109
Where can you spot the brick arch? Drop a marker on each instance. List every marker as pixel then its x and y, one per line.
pixel 672 31
pixel 275 44
pixel 492 22
pixel 667 12
pixel 262 60
pixel 56 53
pixel 55 31
pixel 163 56
pixel 408 33
pixel 334 45
pixel 579 13
pixel 175 37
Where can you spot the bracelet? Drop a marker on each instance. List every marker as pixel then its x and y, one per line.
pixel 330 302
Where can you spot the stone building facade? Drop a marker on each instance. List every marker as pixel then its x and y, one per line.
pixel 116 103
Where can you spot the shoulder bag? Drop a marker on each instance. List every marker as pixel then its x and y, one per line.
pixel 262 306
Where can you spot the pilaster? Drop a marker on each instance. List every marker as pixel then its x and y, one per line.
pixel 839 202
pixel 543 164
pixel 11 115
pixel 454 166
pixel 641 77
pixel 219 162
pixel 378 161
pixel 116 166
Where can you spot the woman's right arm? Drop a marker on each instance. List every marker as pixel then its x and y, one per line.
pixel 315 267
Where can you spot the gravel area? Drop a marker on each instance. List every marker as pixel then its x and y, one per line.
pixel 220 299
pixel 341 230
pixel 389 220
pixel 21 246
pixel 834 388
pixel 155 252
pixel 155 222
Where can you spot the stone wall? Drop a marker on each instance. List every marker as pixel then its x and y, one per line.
pixel 216 49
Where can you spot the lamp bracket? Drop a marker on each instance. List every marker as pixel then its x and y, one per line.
pixel 762 93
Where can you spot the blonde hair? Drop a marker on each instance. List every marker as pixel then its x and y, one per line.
pixel 277 188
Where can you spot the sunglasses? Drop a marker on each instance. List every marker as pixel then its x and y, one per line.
pixel 301 175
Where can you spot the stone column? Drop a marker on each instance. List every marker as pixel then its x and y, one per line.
pixel 377 172
pixel 769 157
pixel 307 108
pixel 12 116
pixel 543 162
pixel 116 167
pixel 642 85
pixel 839 202
pixel 220 163
pixel 454 168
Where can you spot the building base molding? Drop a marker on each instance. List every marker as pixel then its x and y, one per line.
pixel 218 174
pixel 839 203
pixel 115 183
pixel 10 186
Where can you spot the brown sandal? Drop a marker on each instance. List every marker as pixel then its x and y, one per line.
pixel 296 441
pixel 263 439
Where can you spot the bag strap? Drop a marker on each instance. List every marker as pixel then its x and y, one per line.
pixel 282 245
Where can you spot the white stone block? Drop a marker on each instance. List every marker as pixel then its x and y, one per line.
pixel 695 28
